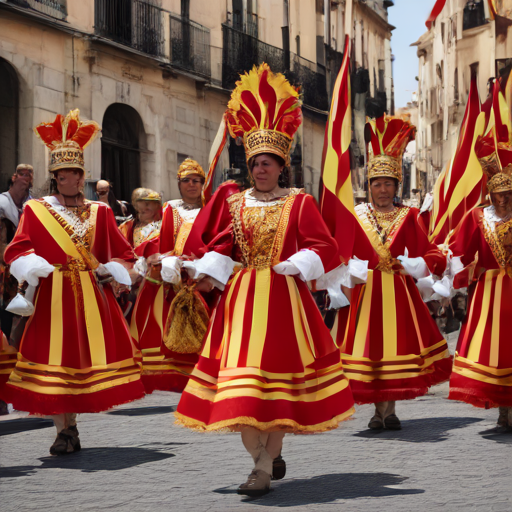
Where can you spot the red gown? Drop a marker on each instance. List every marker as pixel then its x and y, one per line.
pixel 268 360
pixel 162 369
pixel 482 370
pixel 76 354
pixel 391 347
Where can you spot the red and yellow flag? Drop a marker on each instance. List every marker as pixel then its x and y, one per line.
pixel 459 187
pixel 336 195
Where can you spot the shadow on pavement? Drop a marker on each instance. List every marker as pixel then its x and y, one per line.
pixel 329 488
pixel 22 425
pixel 500 437
pixel 425 430
pixel 143 411
pixel 90 460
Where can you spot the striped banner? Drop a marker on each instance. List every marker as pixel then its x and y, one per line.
pixel 459 187
pixel 215 152
pixel 336 195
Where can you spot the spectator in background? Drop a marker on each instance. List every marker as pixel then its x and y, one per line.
pixel 11 207
pixel 106 195
pixel 12 201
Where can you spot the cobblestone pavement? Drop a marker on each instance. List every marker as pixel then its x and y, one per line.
pixel 135 459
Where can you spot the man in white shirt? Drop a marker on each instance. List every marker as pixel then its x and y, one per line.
pixel 12 201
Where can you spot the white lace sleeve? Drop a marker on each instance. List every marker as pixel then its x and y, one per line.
pixel 309 264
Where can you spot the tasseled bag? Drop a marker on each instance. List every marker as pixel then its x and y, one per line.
pixel 187 322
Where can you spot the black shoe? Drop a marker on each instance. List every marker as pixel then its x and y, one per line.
pixel 4 409
pixel 376 423
pixel 67 442
pixel 278 468
pixel 392 423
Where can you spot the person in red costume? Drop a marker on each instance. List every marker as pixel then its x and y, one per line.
pixel 268 365
pixel 391 347
pixel 76 354
pixel 163 369
pixel 482 258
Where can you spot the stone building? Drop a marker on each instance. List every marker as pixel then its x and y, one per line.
pixel 465 38
pixel 157 75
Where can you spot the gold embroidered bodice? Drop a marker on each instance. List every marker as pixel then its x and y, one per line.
pixel 143 233
pixel 259 229
pixel 498 234
pixel 381 228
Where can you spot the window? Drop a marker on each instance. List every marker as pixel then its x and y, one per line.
pixel 297 45
pixel 456 85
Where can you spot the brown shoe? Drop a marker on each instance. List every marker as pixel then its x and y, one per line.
pixel 376 423
pixel 67 442
pixel 278 468
pixel 4 409
pixel 392 423
pixel 503 417
pixel 257 484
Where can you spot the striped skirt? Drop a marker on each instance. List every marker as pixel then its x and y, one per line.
pixel 268 362
pixel 482 370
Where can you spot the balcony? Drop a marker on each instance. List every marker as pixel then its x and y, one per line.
pixel 241 52
pixel 132 23
pixel 474 14
pixel 190 45
pixel 54 8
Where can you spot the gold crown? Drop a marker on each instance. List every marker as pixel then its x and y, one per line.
pixel 385 166
pixel 66 155
pixel 499 180
pixel 149 195
pixel 189 166
pixel 267 141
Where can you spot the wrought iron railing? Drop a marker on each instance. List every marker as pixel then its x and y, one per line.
pixel 190 45
pixel 133 23
pixel 241 52
pixel 54 8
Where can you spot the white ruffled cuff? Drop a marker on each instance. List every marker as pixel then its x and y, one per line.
pixel 431 289
pixel 30 268
pixel 214 265
pixel 171 270
pixel 117 271
pixel 456 265
pixel 309 264
pixel 415 267
pixel 332 282
pixel 354 273
pixel 141 266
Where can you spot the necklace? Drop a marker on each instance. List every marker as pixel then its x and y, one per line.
pixel 383 222
pixel 266 197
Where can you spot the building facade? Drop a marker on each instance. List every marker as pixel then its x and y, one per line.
pixel 157 76
pixel 465 39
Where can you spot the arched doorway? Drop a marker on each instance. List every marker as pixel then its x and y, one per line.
pixel 9 94
pixel 121 143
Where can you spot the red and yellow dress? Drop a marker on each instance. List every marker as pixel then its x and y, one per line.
pixel 391 347
pixel 76 354
pixel 482 370
pixel 162 369
pixel 268 360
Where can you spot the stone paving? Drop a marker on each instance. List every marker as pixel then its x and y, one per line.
pixel 446 458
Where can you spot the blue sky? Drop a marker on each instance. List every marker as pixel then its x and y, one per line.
pixel 408 16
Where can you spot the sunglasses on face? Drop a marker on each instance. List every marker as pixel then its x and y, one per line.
pixel 195 181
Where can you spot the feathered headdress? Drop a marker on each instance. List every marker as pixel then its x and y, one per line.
pixel 66 137
pixel 493 148
pixel 264 111
pixel 389 138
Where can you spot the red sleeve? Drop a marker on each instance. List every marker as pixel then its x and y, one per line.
pixel 109 243
pixel 464 242
pixel 419 245
pixel 212 230
pixel 149 247
pixel 314 235
pixel 166 240
pixel 21 243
